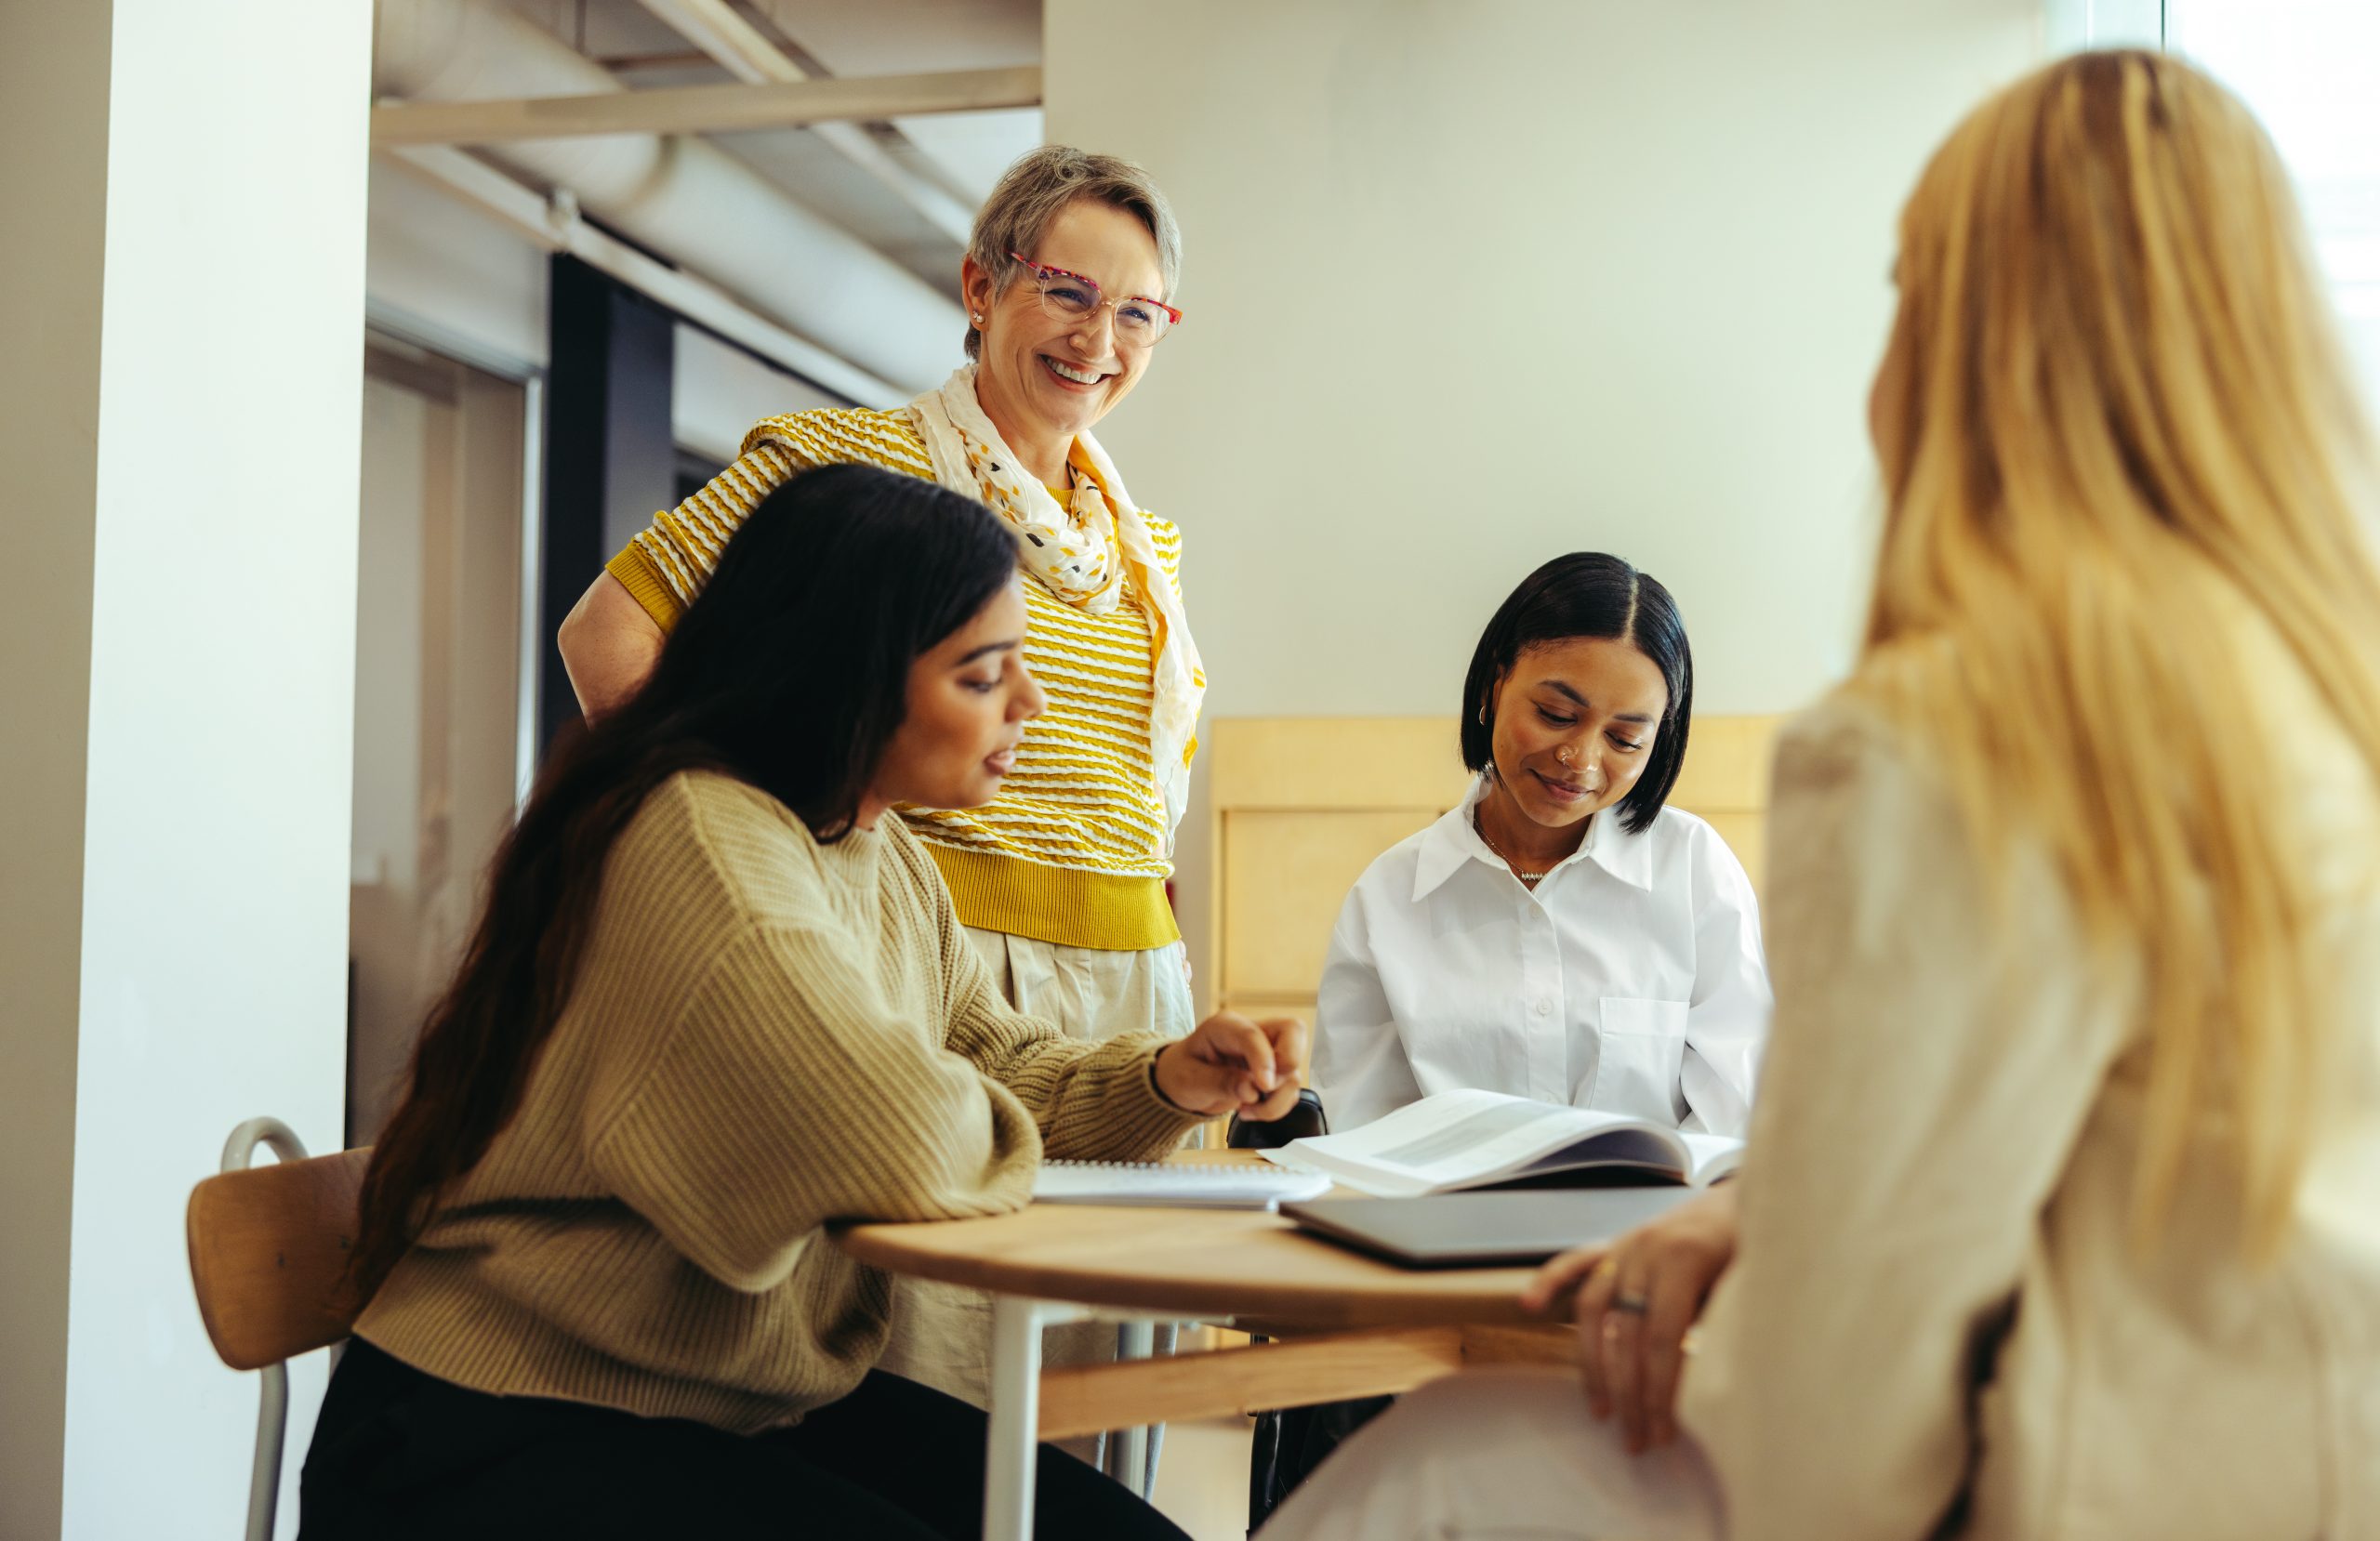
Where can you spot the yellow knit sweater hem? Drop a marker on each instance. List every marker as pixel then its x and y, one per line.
pixel 1064 905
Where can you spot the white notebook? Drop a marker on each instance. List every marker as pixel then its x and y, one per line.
pixel 1139 1184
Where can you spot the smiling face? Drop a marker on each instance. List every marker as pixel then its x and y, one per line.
pixel 968 700
pixel 1041 378
pixel 1574 723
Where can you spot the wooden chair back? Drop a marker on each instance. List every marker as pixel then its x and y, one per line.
pixel 268 1257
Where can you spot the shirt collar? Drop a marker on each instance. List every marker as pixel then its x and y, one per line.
pixel 1625 856
pixel 1454 841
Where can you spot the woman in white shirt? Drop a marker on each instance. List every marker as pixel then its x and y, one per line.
pixel 1562 935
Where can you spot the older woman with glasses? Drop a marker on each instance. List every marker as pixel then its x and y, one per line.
pixel 1060 879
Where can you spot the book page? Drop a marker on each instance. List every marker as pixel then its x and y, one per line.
pixel 1716 1156
pixel 1453 1139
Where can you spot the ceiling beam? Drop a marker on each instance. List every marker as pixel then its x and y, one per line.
pixel 703 109
pixel 748 54
pixel 718 30
pixel 554 224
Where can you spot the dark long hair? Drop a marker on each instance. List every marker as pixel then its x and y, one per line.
pixel 1588 594
pixel 790 672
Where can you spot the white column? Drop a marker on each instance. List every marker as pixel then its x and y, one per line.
pixel 178 421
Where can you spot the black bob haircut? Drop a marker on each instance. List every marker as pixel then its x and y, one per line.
pixel 1588 594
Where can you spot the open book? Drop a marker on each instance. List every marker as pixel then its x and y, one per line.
pixel 1479 1139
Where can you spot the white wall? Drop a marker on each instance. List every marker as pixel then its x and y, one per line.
pixel 1470 285
pixel 2305 67
pixel 192 488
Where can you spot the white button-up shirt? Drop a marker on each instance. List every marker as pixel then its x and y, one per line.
pixel 1629 980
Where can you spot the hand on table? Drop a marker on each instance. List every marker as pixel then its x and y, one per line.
pixel 1639 1296
pixel 1231 1064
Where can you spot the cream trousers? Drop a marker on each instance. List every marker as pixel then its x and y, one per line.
pixel 942 1335
pixel 1500 1456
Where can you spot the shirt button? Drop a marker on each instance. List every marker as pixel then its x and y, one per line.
pixel 1544 1008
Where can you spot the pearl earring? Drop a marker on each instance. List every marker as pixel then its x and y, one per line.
pixel 979 317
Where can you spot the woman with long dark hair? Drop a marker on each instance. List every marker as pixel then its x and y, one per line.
pixel 716 999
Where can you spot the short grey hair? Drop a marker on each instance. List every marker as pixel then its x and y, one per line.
pixel 1032 193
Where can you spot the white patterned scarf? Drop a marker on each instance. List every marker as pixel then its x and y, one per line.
pixel 1084 553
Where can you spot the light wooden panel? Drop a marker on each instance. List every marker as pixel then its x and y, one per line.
pixel 1726 764
pixel 1301 805
pixel 1335 763
pixel 1285 875
pixel 1746 832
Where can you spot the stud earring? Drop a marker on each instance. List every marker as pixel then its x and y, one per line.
pixel 979 317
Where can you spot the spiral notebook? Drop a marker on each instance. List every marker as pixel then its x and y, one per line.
pixel 1143 1184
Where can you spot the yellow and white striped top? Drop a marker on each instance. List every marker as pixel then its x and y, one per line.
pixel 1076 848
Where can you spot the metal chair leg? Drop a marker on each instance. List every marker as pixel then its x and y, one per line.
pixel 272 1410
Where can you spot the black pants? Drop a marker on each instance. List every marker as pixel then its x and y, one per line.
pixel 400 1454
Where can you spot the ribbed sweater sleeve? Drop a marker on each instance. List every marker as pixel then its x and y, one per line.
pixel 786 1095
pixel 797 1085
pixel 1096 1101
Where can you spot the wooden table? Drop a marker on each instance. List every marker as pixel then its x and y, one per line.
pixel 1354 1327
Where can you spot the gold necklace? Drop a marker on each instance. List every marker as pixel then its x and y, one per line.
pixel 1510 865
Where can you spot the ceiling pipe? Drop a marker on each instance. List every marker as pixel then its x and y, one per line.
pixel 553 223
pixel 689 201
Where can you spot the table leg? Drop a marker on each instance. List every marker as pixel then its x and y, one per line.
pixel 1133 1340
pixel 1011 1443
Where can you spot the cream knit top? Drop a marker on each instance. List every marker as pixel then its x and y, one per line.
pixel 766 1033
pixel 1936 1301
pixel 1076 848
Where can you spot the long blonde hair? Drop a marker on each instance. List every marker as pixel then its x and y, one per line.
pixel 2116 410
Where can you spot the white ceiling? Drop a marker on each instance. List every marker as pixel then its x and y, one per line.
pixel 963 152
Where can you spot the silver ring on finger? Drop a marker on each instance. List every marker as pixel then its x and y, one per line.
pixel 1629 1304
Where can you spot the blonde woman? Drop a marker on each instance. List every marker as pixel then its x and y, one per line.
pixel 2061 1214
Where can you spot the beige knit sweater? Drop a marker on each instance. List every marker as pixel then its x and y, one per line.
pixel 766 1035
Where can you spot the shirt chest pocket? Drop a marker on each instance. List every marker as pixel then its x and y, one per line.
pixel 1640 1054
